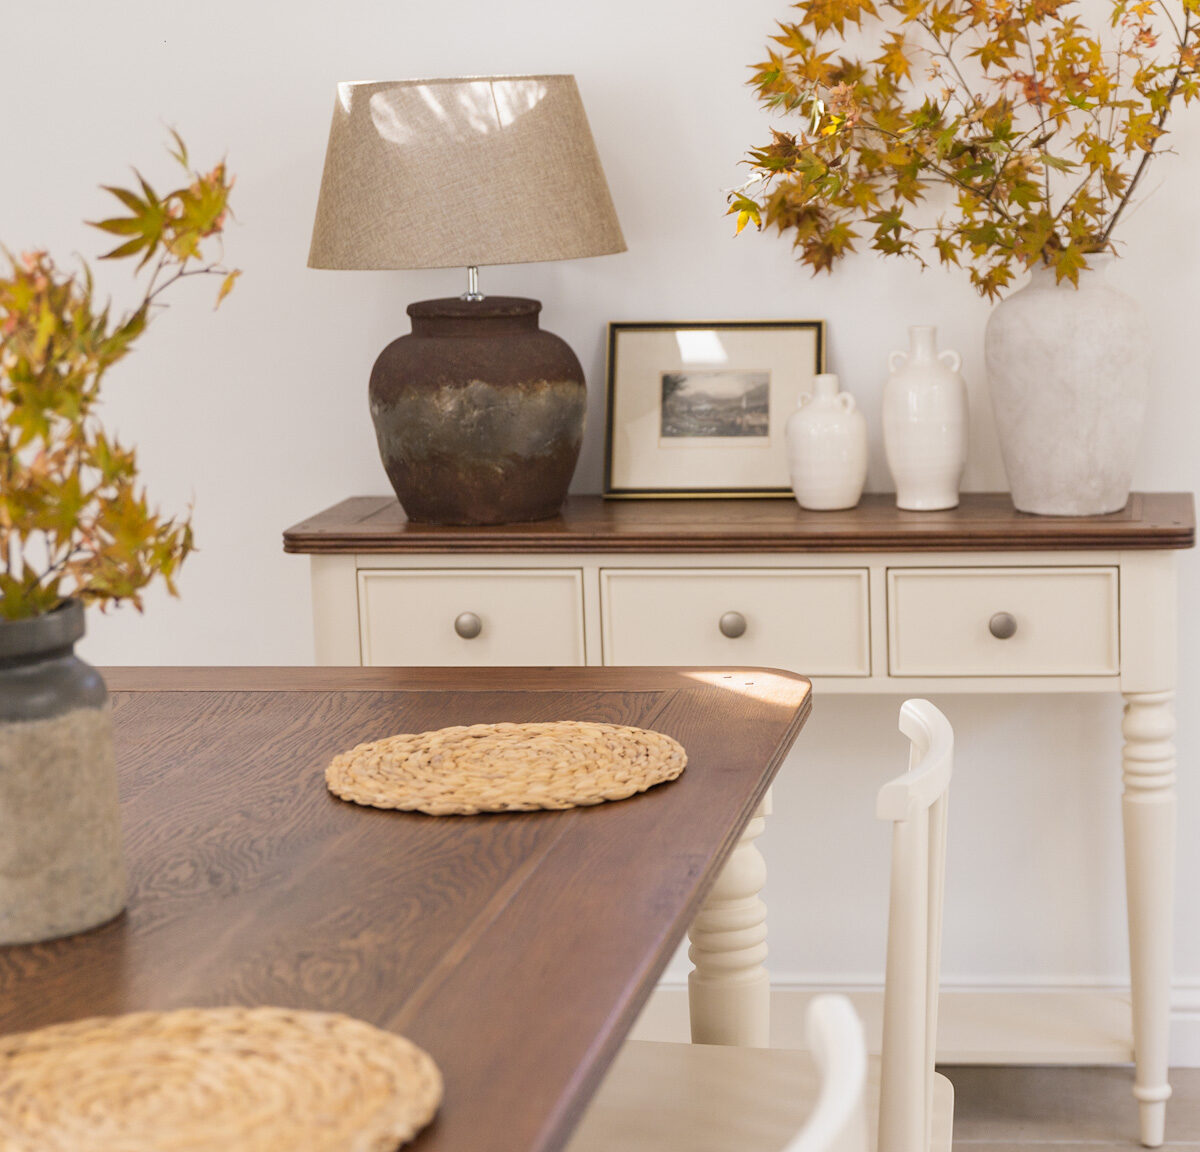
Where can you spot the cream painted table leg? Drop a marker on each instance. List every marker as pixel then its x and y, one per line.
pixel 729 992
pixel 1148 811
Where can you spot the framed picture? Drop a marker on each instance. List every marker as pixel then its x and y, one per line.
pixel 698 409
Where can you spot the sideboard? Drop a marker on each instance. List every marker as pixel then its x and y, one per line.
pixel 979 598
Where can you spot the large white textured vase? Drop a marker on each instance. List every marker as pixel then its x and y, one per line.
pixel 1068 371
pixel 925 423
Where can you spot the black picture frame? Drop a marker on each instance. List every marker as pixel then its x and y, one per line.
pixel 696 409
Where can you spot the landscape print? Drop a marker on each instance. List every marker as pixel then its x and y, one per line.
pixel 715 403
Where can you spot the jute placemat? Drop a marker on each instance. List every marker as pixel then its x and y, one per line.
pixel 505 767
pixel 214 1080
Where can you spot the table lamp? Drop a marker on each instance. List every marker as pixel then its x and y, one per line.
pixel 478 412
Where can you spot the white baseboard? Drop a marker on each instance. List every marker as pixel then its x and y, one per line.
pixel 1048 1024
pixel 1185 1025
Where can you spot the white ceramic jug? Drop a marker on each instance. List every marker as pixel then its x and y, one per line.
pixel 827 447
pixel 925 423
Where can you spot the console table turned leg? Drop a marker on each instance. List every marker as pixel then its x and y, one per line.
pixel 1148 812
pixel 729 992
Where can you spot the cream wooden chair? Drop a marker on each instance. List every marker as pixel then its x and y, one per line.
pixel 835 1038
pixel 711 1098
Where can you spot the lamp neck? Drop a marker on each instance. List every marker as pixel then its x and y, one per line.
pixel 472 292
pixel 491 316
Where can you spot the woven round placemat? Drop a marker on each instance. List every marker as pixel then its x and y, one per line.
pixel 214 1080
pixel 505 767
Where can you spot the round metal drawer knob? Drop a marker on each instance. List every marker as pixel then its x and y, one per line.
pixel 1003 625
pixel 468 625
pixel 733 625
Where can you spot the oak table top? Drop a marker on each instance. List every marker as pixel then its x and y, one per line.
pixel 516 948
pixel 983 521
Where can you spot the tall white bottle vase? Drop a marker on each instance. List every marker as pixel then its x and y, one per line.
pixel 827 448
pixel 925 423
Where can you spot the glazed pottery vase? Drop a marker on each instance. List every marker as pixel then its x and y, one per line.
pixel 827 447
pixel 478 413
pixel 61 869
pixel 925 423
pixel 1068 371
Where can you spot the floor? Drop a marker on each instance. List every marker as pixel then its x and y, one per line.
pixel 1007 1109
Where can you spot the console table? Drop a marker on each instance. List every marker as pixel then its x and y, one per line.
pixel 976 599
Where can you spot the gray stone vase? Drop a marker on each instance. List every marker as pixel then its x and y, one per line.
pixel 1068 372
pixel 61 869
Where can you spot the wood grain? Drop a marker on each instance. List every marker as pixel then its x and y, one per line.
pixel 983 521
pixel 517 949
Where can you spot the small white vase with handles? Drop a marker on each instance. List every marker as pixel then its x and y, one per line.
pixel 925 423
pixel 827 447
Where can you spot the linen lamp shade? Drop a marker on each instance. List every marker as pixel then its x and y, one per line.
pixel 460 173
pixel 478 412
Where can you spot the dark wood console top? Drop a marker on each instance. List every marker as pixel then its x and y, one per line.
pixel 983 522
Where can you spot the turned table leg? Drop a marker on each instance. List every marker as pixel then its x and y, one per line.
pixel 729 992
pixel 1148 812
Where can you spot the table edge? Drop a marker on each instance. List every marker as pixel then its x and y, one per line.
pixel 355 678
pixel 565 1120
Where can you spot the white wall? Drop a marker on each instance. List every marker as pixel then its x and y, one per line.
pixel 258 414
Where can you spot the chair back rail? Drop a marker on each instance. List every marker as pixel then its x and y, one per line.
pixel 916 805
pixel 835 1038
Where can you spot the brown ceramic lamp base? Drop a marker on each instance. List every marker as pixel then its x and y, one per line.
pixel 478 413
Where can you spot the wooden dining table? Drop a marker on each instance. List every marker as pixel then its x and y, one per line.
pixel 516 948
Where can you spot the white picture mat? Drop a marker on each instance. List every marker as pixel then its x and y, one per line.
pixel 642 459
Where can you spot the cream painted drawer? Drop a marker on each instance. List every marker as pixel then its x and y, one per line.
pixel 940 621
pixel 814 620
pixel 525 617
